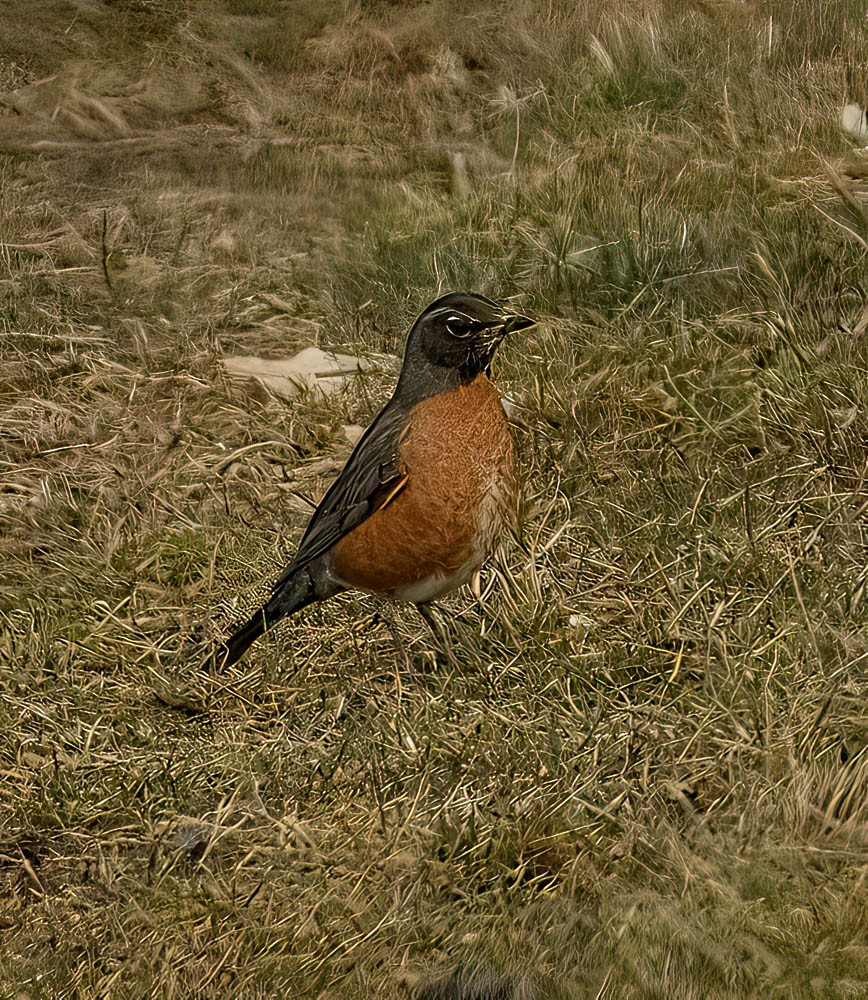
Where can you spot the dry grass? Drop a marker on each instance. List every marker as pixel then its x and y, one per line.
pixel 646 777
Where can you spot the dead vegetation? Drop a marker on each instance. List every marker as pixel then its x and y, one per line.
pixel 647 776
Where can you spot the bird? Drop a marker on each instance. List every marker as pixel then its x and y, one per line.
pixel 428 488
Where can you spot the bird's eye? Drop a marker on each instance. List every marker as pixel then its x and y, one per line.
pixel 458 326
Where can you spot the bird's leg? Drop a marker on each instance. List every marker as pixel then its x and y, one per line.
pixel 383 614
pixel 438 631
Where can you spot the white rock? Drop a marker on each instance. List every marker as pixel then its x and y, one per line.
pixel 854 121
pixel 312 368
pixel 581 624
pixel 352 432
pixel 510 406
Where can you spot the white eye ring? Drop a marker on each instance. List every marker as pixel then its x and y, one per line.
pixel 459 326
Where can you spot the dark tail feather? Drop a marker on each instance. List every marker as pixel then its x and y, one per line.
pixel 481 984
pixel 237 644
pixel 290 596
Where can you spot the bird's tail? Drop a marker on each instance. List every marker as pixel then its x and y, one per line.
pixel 290 595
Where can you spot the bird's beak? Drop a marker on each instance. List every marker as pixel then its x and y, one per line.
pixel 514 323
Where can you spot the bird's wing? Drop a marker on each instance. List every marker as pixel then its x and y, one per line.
pixel 372 477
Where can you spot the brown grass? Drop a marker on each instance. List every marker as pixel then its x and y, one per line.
pixel 646 777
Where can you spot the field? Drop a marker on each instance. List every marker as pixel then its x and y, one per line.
pixel 636 767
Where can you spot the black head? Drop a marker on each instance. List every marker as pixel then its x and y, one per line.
pixel 454 339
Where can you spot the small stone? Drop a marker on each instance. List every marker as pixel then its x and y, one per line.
pixel 311 369
pixel 352 432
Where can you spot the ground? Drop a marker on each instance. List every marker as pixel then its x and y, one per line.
pixel 636 766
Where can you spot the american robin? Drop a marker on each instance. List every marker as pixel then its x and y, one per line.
pixel 431 482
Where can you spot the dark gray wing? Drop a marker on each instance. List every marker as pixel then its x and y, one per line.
pixel 371 478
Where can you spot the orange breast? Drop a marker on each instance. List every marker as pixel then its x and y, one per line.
pixel 460 489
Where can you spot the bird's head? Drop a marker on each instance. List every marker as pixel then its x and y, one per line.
pixel 459 333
